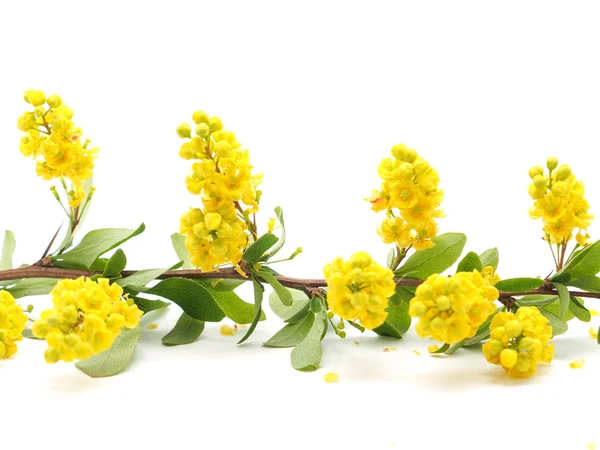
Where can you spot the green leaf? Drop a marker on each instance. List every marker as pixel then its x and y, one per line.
pixel 558 325
pixel 554 308
pixel 221 284
pixel 298 309
pixel 443 349
pixel 95 244
pixel 536 300
pixel 398 321
pixel 178 242
pixel 115 359
pixel 580 311
pixel 437 259
pixel 29 286
pixel 195 300
pixel 584 264
pixel 469 263
pixel 259 291
pixel 259 247
pixel 28 334
pixel 589 284
pixel 140 279
pixel 490 258
pixel 186 330
pixel 454 348
pixel 115 265
pixel 316 305
pixel 284 294
pixel 564 298
pixel 292 334
pixel 8 248
pixel 307 354
pixel 146 305
pixel 235 308
pixel 279 245
pixel 519 284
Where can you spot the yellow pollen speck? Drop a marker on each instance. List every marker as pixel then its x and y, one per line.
pixel 227 330
pixel 331 377
pixel 152 326
pixel 593 332
pixel 577 364
pixel 417 353
pixel 356 342
pixel 389 349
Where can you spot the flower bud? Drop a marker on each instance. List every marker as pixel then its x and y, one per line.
pixel 54 101
pixel 563 173
pixel 212 221
pixel 39 111
pixel 551 163
pixel 26 121
pixel 35 97
pixel 200 117
pixel 540 182
pixel 508 358
pixel 58 122
pixel 535 170
pixel 184 131
pixel 215 124
pixel 513 328
pixel 202 130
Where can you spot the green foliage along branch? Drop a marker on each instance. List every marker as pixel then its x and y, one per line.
pixel 97 303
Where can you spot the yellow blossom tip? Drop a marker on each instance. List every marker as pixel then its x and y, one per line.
pixel 577 364
pixel 331 377
pixel 433 348
pixel 227 330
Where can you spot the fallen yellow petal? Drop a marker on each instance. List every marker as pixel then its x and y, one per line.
pixel 389 349
pixel 593 312
pixel 356 342
pixel 226 330
pixel 416 353
pixel 152 326
pixel 593 332
pixel 331 377
pixel 590 446
pixel 577 364
pixel 433 348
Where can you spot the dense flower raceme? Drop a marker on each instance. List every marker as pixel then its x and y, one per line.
pixel 451 309
pixel 358 289
pixel 12 323
pixel 86 318
pixel 519 341
pixel 54 142
pixel 559 202
pixel 410 196
pixel 222 176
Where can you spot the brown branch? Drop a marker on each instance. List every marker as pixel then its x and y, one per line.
pixel 303 284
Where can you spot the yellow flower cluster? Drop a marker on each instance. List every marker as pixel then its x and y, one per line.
pixel 86 318
pixel 12 324
pixel 358 289
pixel 519 341
pixel 559 202
pixel 410 195
pixel 222 176
pixel 52 139
pixel 451 309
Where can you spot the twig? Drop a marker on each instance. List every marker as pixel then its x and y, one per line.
pixel 303 284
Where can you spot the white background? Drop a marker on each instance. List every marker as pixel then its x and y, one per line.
pixel 318 92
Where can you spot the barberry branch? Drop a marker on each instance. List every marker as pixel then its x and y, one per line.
pixel 308 285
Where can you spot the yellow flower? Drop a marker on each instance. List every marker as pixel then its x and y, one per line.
pixel 559 201
pixel 410 196
pixel 12 323
pixel 54 142
pixel 577 364
pixel 490 275
pixel 518 342
pixel 451 309
pixel 358 289
pixel 86 319
pixel 217 233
